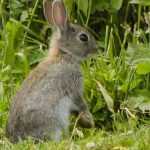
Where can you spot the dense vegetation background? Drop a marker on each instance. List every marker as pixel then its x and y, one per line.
pixel 117 80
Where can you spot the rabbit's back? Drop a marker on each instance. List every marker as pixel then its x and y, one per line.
pixel 57 81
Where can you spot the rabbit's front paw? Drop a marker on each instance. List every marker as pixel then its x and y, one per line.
pixel 86 120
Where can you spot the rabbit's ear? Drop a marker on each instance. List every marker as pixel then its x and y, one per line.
pixel 59 14
pixel 47 6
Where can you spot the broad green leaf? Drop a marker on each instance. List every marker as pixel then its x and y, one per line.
pixel 139 100
pixel 98 106
pixel 109 5
pixel 1 89
pixel 25 66
pixel 13 38
pixel 142 2
pixel 109 101
pixel 143 68
pixel 145 107
pixel 83 6
pixel 24 16
pixel 133 84
pixel 137 54
pixel 116 4
pixel 134 102
pixel 100 5
pixel 69 5
pixel 139 57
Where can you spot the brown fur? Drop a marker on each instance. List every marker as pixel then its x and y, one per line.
pixel 54 89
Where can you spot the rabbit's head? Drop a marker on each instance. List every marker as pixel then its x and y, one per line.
pixel 68 38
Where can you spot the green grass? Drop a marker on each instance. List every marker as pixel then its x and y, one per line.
pixel 117 79
pixel 135 139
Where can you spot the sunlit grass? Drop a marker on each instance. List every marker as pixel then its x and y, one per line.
pixel 136 139
pixel 117 80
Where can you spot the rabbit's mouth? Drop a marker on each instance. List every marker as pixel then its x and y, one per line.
pixel 66 52
pixel 74 54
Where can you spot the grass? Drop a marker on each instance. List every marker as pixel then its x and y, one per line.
pixel 135 139
pixel 117 80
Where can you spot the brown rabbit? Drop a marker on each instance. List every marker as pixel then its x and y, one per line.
pixel 53 91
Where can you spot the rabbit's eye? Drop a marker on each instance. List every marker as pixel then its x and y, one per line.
pixel 83 37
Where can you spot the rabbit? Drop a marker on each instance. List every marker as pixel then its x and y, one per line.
pixel 53 91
